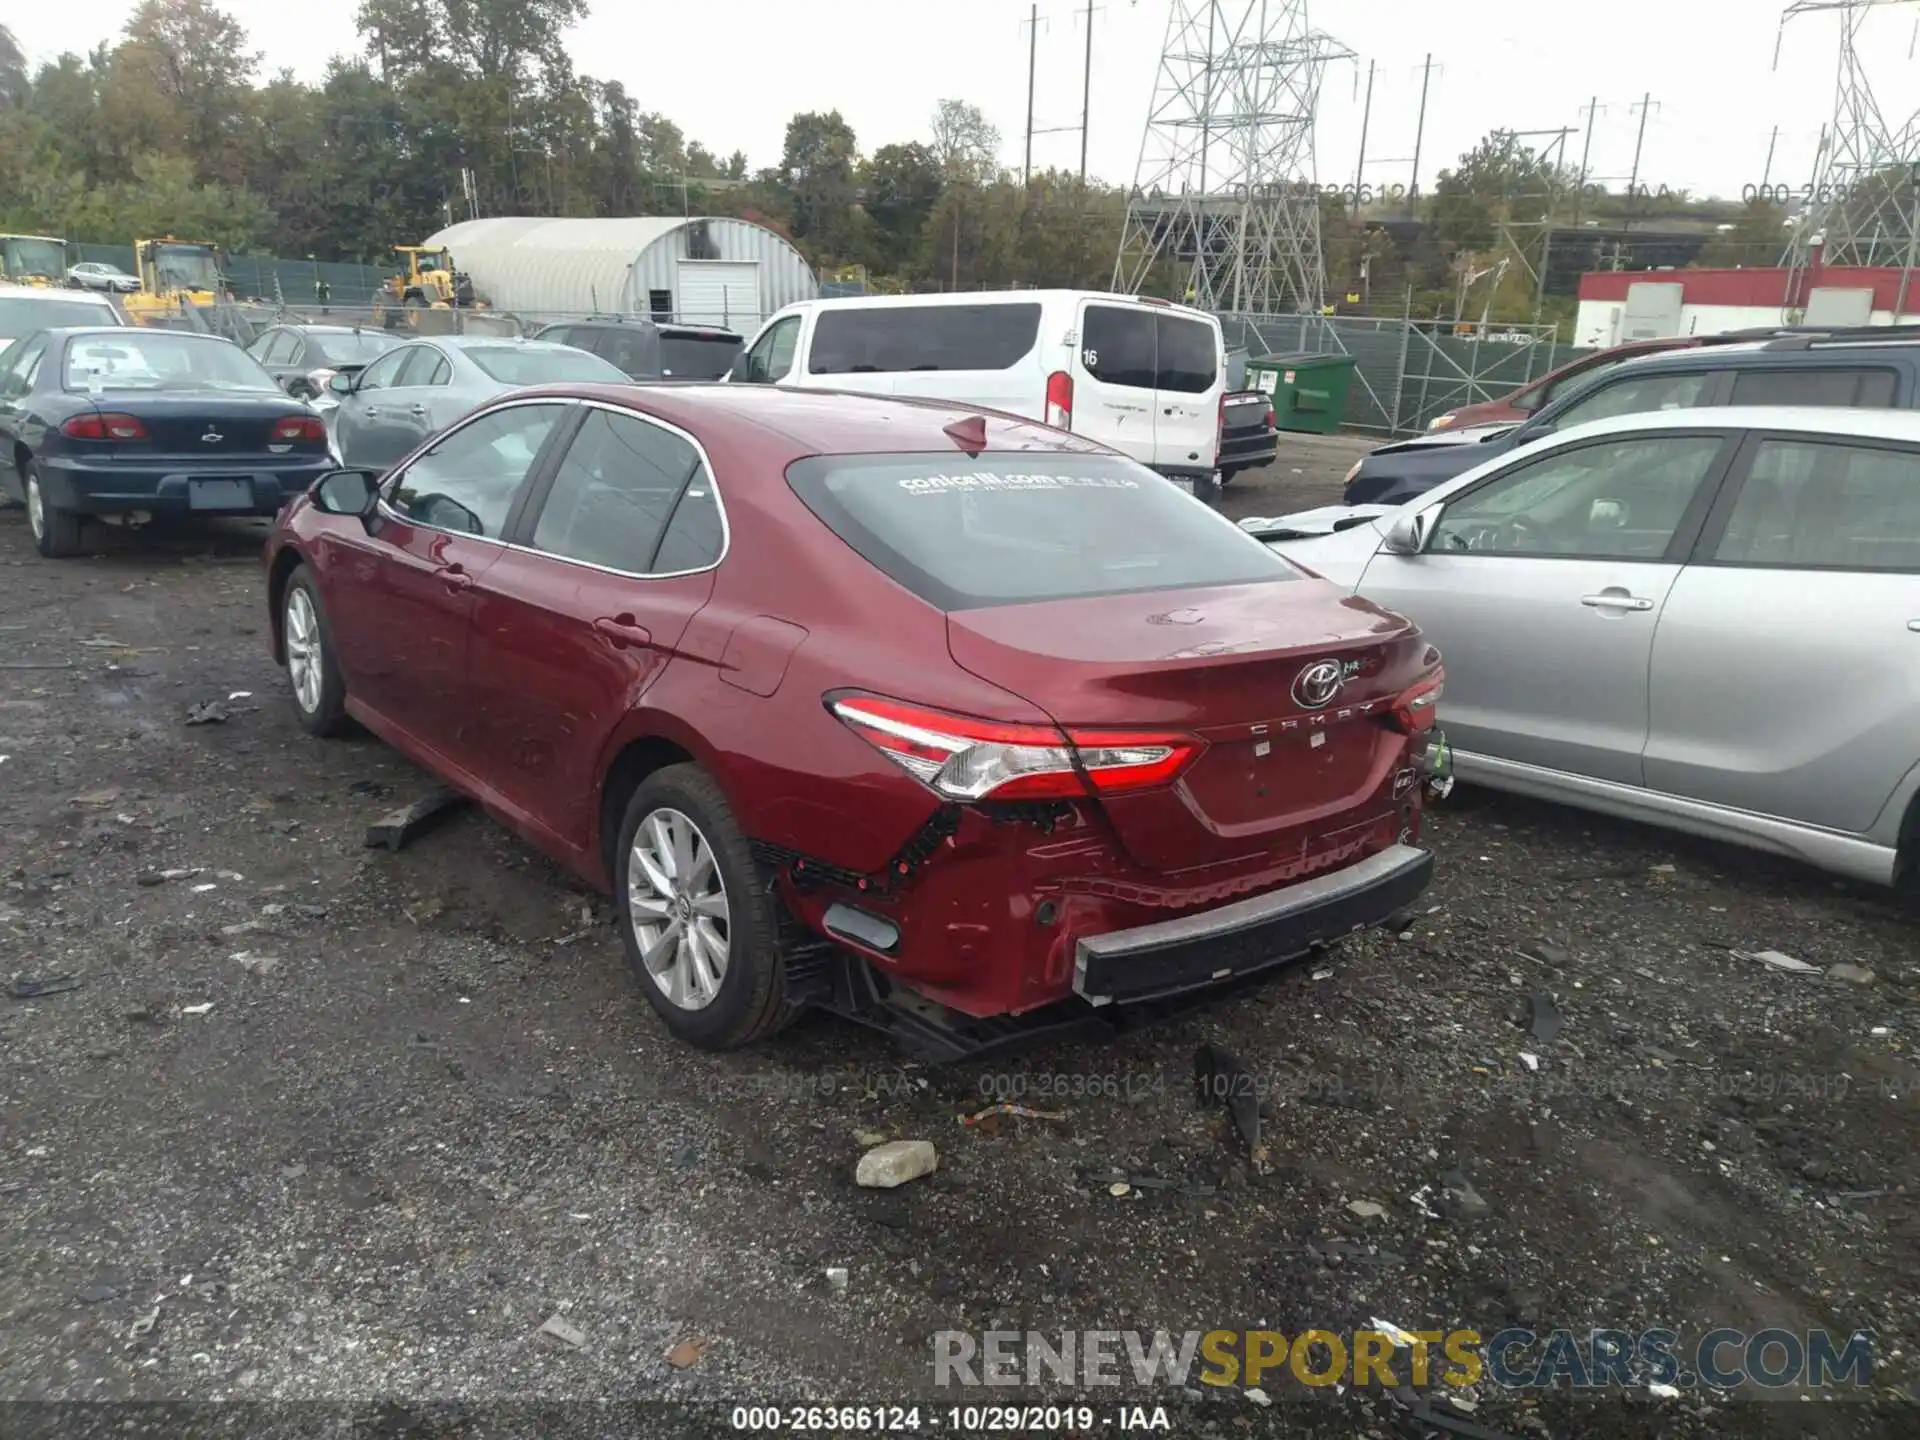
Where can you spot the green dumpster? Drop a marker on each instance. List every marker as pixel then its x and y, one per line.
pixel 1309 391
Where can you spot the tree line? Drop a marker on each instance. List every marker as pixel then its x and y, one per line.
pixel 455 107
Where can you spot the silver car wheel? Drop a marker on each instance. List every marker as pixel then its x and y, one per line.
pixel 36 509
pixel 677 905
pixel 303 650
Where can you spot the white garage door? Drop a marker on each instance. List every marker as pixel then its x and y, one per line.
pixel 720 292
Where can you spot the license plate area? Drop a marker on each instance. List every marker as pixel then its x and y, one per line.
pixel 221 493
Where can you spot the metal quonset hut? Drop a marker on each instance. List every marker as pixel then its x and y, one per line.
pixel 725 272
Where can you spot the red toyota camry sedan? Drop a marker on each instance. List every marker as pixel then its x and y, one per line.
pixel 959 725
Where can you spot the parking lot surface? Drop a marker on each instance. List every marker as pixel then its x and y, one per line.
pixel 322 1122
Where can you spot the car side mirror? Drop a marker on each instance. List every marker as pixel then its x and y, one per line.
pixel 1531 401
pixel 347 492
pixel 340 384
pixel 1407 535
pixel 741 371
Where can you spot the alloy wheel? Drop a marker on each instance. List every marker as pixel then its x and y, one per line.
pixel 677 905
pixel 303 649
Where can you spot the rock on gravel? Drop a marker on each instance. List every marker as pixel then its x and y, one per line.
pixel 895 1163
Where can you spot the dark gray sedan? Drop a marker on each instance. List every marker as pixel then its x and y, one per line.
pixel 417 390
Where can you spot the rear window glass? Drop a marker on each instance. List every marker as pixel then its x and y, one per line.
pixel 698 357
pixel 888 339
pixel 139 359
pixel 1011 529
pixel 543 366
pixel 1189 355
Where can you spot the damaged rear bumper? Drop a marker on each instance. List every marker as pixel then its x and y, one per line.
pixel 1151 962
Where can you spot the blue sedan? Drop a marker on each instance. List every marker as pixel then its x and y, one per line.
pixel 135 422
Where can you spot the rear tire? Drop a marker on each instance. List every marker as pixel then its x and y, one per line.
pixel 678 829
pixel 56 532
pixel 1206 489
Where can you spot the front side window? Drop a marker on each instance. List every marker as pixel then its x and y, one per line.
pixel 614 493
pixel 1616 500
pixel 1821 505
pixel 21 364
pixel 893 339
pixel 1010 529
pixel 1636 395
pixel 772 354
pixel 382 373
pixel 422 366
pixel 468 481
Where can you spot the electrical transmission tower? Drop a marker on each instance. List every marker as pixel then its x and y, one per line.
pixel 1866 183
pixel 1225 194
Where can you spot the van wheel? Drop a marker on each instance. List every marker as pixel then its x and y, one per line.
pixel 699 926
pixel 1206 489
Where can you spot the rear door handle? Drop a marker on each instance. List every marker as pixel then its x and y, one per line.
pixel 456 577
pixel 622 631
pixel 419 410
pixel 1615 602
pixel 1914 625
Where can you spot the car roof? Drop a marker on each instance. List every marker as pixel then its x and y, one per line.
pixel 1831 420
pixel 124 332
pixel 496 342
pixel 824 422
pixel 37 292
pixel 329 329
pixel 992 297
pixel 1732 355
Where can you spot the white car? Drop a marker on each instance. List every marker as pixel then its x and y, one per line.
pixel 94 275
pixel 28 309
pixel 1144 376
pixel 1702 619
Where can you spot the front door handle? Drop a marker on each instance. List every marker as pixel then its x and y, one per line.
pixel 1615 600
pixel 1914 625
pixel 419 410
pixel 622 631
pixel 370 412
pixel 456 577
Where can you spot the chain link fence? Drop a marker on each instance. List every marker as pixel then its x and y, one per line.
pixel 1407 372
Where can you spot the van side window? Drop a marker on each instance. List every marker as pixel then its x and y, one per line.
pixel 1118 346
pixel 1189 359
pixel 892 339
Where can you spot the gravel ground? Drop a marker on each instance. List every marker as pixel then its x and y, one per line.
pixel 325 1123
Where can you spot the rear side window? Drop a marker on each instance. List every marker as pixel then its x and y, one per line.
pixel 1118 345
pixel 697 357
pixel 1189 360
pixel 1821 505
pixel 1861 389
pixel 890 339
pixel 1012 529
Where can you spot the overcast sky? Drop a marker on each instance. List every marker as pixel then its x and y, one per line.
pixel 731 72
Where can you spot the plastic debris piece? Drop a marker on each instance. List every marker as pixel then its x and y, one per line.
pixel 1011 1109
pixel 1778 961
pixel 895 1163
pixel 564 1331
pixel 400 828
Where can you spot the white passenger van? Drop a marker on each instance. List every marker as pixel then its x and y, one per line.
pixel 1144 376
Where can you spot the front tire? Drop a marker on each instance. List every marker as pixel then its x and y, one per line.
pixel 697 921
pixel 313 674
pixel 56 532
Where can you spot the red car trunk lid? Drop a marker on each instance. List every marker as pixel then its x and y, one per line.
pixel 1233 665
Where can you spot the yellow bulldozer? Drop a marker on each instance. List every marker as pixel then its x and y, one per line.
pixel 37 260
pixel 174 273
pixel 430 283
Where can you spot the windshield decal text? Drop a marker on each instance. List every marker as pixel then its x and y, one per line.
pixel 979 480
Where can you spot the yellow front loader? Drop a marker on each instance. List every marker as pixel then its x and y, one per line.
pixel 175 273
pixel 37 260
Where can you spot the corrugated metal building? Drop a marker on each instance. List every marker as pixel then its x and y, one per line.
pixel 696 271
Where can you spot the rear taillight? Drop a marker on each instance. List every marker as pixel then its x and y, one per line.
pixel 962 758
pixel 1059 400
pixel 1220 433
pixel 295 428
pixel 1414 711
pixel 108 426
pixel 1272 421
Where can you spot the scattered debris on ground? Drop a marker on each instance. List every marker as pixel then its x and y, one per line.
pixel 399 828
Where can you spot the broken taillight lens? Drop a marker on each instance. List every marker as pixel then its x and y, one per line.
pixel 963 758
pixel 1416 708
